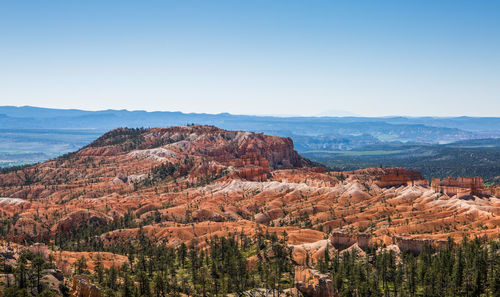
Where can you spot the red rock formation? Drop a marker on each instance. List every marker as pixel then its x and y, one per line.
pixel 342 240
pixel 309 254
pixel 202 152
pixel 461 186
pixel 416 246
pixel 66 260
pixel 391 177
pixel 312 283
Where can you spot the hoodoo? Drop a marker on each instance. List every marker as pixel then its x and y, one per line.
pixel 462 186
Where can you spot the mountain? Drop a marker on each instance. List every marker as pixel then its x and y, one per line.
pixel 136 194
pixel 197 152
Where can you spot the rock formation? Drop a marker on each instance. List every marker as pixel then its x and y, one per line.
pixel 342 240
pixel 391 177
pixel 416 246
pixel 462 186
pixel 83 288
pixel 311 283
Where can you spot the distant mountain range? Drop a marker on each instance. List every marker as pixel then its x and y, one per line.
pixel 404 129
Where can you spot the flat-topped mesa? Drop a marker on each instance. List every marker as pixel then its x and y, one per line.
pixel 391 177
pixel 462 186
pixel 234 148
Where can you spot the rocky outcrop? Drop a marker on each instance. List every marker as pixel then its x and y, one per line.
pixel 346 241
pixel 232 148
pixel 342 240
pixel 395 177
pixel 253 173
pixel 12 205
pixel 40 249
pixel 462 186
pixel 312 283
pixel 416 246
pixel 311 253
pixel 83 288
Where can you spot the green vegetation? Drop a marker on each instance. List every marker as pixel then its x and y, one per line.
pixel 468 158
pixel 221 268
pixel 237 263
pixel 28 275
pixel 359 153
pixel 469 269
pixel 127 138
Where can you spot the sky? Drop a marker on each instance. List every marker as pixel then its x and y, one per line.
pixel 369 58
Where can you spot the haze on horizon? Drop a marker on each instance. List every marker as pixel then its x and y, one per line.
pixel 437 58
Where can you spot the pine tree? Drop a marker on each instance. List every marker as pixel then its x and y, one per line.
pixel 158 285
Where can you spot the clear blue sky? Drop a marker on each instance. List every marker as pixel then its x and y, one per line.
pixel 371 58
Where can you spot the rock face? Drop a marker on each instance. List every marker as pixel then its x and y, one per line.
pixel 344 240
pixel 416 246
pixel 309 254
pixel 462 186
pixel 83 288
pixel 391 177
pixel 66 260
pixel 52 280
pixel 311 283
pixel 232 148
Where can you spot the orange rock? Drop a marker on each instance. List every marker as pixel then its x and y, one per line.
pixel 390 177
pixel 462 186
pixel 311 283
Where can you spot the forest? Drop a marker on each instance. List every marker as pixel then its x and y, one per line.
pixel 465 158
pixel 236 264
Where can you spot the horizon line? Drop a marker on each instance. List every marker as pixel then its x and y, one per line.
pixel 242 114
